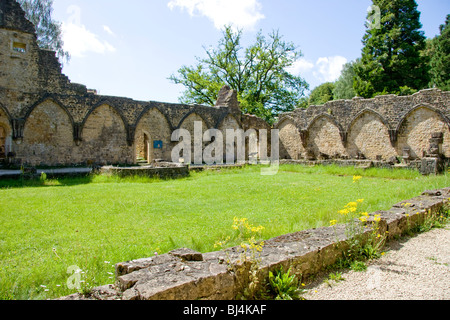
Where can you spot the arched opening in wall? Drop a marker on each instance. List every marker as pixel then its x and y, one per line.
pixel 152 138
pixel 48 136
pixel 291 146
pixel 415 131
pixel 189 125
pixel 144 148
pixel 5 134
pixel 231 124
pixel 369 137
pixel 324 139
pixel 105 137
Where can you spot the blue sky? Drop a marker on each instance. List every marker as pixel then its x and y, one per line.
pixel 130 48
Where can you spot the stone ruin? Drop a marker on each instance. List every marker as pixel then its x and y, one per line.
pixel 386 130
pixel 45 119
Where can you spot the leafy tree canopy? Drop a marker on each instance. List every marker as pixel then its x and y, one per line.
pixel 391 56
pixel 259 73
pixel 438 50
pixel 343 87
pixel 322 94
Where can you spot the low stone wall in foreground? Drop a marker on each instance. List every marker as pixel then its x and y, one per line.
pixel 184 274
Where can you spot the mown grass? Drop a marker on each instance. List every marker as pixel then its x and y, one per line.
pixel 95 222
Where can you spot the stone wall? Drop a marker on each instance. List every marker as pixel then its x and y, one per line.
pixel 378 128
pixel 184 274
pixel 47 120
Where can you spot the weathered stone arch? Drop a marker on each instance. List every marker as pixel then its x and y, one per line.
pixel 326 137
pixel 104 137
pixel 188 123
pixel 189 119
pixel 4 113
pixel 291 146
pixel 416 127
pixel 47 135
pixel 229 122
pixel 153 127
pixel 48 98
pixel 151 107
pixel 368 134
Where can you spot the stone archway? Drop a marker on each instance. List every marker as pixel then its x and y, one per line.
pixel 2 142
pixel 416 128
pixel 144 148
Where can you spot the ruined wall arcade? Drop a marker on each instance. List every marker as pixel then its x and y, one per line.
pixel 381 128
pixel 47 120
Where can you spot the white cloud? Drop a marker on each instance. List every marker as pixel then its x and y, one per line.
pixel 238 13
pixel 301 66
pixel 328 69
pixel 78 41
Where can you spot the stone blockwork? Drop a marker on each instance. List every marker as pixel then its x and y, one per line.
pixel 47 120
pixel 184 274
pixel 378 129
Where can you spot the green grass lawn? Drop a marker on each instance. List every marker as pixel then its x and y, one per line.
pixel 95 222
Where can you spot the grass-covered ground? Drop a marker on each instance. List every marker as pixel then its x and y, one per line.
pixel 93 223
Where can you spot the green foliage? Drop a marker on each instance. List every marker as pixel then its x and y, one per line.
pixel 322 94
pixel 391 56
pixel 284 286
pixel 258 73
pixel 343 87
pixel 49 32
pixel 438 50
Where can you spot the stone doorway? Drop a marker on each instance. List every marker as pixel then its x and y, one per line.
pixel 2 142
pixel 148 148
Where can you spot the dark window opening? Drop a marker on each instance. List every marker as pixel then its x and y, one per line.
pixel 19 47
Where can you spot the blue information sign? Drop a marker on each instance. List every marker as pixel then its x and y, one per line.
pixel 157 144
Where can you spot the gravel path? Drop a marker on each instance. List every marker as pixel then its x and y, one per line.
pixel 416 268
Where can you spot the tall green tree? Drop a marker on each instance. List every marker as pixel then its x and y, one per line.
pixel 343 87
pixel 259 73
pixel 391 55
pixel 48 31
pixel 438 49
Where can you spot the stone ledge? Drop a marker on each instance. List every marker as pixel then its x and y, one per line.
pixel 184 274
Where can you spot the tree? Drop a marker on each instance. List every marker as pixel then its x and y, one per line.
pixel 343 87
pixel 258 73
pixel 48 31
pixel 391 56
pixel 438 49
pixel 322 94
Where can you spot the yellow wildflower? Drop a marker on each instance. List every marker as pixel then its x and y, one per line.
pixel 356 179
pixel 352 209
pixel 352 205
pixel 333 223
pixel 377 218
pixel 360 200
